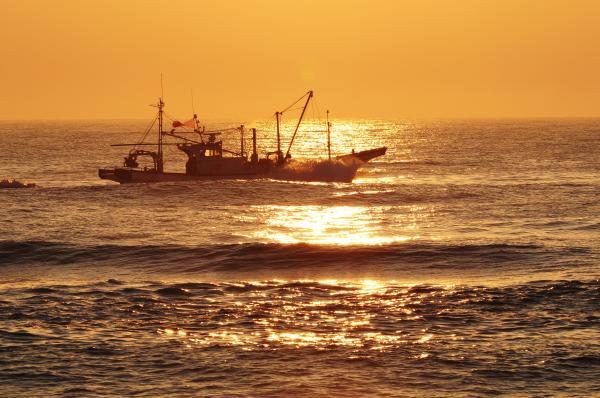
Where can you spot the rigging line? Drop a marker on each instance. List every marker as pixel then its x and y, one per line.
pixel 314 110
pixel 294 103
pixel 263 125
pixel 316 105
pixel 172 119
pixel 182 138
pixel 169 116
pixel 220 130
pixel 310 95
pixel 147 130
pixel 292 109
pixel 268 125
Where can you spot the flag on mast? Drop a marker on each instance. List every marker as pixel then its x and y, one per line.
pixel 190 123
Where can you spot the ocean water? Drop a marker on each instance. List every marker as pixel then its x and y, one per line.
pixel 465 262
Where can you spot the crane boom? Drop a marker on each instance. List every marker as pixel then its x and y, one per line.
pixel 310 94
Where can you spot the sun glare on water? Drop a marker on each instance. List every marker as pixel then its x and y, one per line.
pixel 342 314
pixel 337 225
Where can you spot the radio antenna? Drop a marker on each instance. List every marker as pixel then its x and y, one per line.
pixel 192 95
pixel 161 86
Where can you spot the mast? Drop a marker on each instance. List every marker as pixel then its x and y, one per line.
pixel 279 153
pixel 254 158
pixel 328 137
pixel 310 94
pixel 242 140
pixel 159 165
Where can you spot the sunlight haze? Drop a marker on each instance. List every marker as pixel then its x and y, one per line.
pixel 244 59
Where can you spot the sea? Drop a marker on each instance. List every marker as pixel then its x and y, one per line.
pixel 463 263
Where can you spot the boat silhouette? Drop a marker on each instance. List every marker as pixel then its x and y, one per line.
pixel 208 159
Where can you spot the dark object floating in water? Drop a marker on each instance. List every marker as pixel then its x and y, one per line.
pixel 173 291
pixel 207 159
pixel 15 184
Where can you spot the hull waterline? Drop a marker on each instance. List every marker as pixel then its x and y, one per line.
pixel 352 161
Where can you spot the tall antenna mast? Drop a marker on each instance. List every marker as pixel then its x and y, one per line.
pixel 328 136
pixel 192 95
pixel 196 121
pixel 279 153
pixel 161 86
pixel 161 105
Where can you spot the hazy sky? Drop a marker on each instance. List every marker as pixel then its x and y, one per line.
pixel 244 59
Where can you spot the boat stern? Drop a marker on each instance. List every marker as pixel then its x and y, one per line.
pixel 107 174
pixel 124 175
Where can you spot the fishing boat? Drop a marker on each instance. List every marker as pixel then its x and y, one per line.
pixel 208 159
pixel 7 184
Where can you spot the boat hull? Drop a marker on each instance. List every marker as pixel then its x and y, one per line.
pixel 132 176
pixel 125 175
pixel 363 156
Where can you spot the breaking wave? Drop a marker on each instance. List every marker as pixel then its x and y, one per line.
pixel 317 171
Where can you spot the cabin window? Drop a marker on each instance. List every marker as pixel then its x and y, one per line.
pixel 212 152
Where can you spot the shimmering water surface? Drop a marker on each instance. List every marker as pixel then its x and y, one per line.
pixel 465 262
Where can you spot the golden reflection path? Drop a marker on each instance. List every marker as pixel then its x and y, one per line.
pixel 355 316
pixel 341 225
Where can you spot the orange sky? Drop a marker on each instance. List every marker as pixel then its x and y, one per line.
pixel 243 59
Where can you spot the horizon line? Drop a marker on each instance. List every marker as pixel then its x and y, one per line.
pixel 401 118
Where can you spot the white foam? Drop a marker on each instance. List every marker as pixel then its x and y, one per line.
pixel 318 170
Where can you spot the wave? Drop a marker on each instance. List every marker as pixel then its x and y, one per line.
pixel 545 330
pixel 588 227
pixel 274 256
pixel 499 297
pixel 414 162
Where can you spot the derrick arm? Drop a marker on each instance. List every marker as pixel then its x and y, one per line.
pixel 310 94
